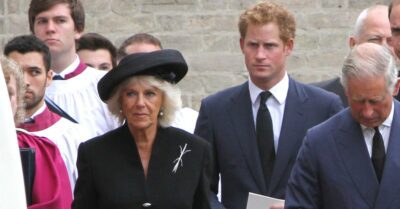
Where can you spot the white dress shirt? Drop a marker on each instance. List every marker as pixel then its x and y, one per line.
pixel 384 129
pixel 275 103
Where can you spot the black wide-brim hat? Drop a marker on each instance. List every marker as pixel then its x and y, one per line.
pixel 166 64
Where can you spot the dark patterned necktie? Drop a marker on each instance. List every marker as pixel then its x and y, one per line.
pixel 265 137
pixel 378 153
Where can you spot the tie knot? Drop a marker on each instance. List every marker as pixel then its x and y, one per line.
pixel 376 129
pixel 29 120
pixel 264 96
pixel 58 77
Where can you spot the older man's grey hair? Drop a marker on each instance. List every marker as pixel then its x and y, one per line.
pixel 171 103
pixel 360 22
pixel 370 60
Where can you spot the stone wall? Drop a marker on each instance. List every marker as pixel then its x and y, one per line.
pixel 206 33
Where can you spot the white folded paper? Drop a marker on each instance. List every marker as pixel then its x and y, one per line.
pixel 257 201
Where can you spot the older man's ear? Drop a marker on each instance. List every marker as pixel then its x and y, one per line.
pixel 396 87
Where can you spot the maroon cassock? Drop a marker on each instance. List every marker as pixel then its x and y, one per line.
pixel 51 187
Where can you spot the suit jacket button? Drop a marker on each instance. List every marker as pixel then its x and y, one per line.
pixel 146 205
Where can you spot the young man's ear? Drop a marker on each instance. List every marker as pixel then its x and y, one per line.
pixel 49 77
pixel 289 46
pixel 241 41
pixel 78 35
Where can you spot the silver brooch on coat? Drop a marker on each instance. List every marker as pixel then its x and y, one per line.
pixel 179 160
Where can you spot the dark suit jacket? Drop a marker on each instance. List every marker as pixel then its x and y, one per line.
pixel 333 85
pixel 226 121
pixel 111 174
pixel 334 169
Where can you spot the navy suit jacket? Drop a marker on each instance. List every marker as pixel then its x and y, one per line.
pixel 226 121
pixel 334 169
pixel 333 85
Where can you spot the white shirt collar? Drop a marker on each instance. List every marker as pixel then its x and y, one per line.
pixel 279 91
pixel 38 111
pixel 71 68
pixel 384 129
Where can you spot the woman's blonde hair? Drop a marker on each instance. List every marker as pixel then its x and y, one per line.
pixel 10 68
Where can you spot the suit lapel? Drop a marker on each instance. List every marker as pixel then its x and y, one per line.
pixel 241 116
pixel 128 147
pixel 354 155
pixel 292 126
pixel 390 184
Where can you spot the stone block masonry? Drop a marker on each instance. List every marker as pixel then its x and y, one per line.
pixel 206 33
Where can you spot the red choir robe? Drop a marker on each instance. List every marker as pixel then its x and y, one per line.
pixel 51 187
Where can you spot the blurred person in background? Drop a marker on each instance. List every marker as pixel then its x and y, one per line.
pixel 140 42
pixel 372 25
pixel 97 51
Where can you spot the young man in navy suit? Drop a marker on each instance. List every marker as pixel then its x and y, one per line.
pixel 352 159
pixel 228 119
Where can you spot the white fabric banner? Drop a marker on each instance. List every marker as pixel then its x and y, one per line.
pixel 12 190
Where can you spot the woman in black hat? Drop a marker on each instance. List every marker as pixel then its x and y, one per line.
pixel 144 163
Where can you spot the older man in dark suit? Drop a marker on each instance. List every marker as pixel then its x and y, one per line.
pixel 372 25
pixel 256 128
pixel 353 159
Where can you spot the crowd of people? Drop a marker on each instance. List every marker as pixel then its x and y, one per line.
pixel 105 127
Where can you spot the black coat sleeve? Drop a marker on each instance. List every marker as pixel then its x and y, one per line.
pixel 202 194
pixel 84 194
